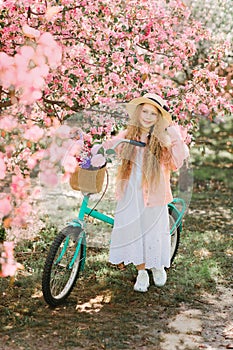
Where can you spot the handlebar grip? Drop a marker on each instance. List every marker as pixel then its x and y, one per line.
pixel 137 143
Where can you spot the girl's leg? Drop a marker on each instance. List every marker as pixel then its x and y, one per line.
pixel 142 281
pixel 140 267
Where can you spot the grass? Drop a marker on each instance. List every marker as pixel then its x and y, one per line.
pixel 213 176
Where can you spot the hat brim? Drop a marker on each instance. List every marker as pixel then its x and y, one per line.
pixel 132 105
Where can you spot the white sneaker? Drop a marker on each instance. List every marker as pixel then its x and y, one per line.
pixel 142 281
pixel 159 276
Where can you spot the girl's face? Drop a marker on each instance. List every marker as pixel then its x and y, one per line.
pixel 148 116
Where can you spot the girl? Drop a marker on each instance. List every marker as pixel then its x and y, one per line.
pixel 141 226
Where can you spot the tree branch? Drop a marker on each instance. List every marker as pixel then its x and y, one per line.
pixel 5 104
pixel 155 52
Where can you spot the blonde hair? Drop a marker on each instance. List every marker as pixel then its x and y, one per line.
pixel 155 152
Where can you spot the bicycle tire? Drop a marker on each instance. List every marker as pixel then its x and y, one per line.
pixel 59 276
pixel 175 236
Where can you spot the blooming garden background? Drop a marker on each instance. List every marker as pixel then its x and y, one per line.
pixel 60 58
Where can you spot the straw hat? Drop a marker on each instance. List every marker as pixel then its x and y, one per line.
pixel 152 99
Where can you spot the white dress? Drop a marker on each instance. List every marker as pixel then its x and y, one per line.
pixel 140 234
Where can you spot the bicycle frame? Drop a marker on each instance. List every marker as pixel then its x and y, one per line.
pixel 85 210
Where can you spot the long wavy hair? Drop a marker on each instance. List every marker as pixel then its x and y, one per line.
pixel 155 152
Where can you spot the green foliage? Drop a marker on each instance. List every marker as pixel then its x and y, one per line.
pixel 2 234
pixel 212 156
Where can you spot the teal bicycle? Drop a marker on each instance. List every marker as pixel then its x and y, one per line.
pixel 67 255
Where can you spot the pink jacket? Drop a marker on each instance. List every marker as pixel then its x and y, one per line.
pixel 161 194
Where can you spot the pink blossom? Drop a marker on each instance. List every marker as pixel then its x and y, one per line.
pixel 100 130
pixel 45 165
pixel 35 76
pixel 5 206
pixel 25 154
pixel 8 123
pixel 98 160
pixel 188 139
pixel 114 78
pixel 39 59
pixel 21 71
pixel 51 11
pixel 49 47
pixel 93 130
pixel 203 109
pixel 118 58
pixel 34 134
pixel 47 121
pixel 27 52
pixel 19 186
pixel 56 153
pixel 63 132
pixel 31 163
pixel 74 147
pixel 69 164
pixel 46 39
pixel 7 71
pixel 23 210
pixel 36 193
pixel 30 95
pixel 9 149
pixel 8 265
pixel 49 177
pixel 39 154
pixel 2 169
pixel 30 32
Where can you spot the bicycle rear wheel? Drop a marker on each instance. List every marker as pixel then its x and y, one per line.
pixel 62 266
pixel 175 236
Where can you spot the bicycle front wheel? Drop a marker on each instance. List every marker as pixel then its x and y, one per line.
pixel 175 235
pixel 63 264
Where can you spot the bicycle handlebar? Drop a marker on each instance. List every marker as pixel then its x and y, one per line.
pixel 132 142
pixel 137 143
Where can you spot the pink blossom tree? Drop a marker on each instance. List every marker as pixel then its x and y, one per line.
pixel 216 16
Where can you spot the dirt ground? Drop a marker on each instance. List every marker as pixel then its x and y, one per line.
pixel 101 323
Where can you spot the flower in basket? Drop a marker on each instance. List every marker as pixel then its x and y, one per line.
pixel 98 158
pixel 94 158
pixel 92 155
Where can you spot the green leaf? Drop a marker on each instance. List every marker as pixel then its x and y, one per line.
pixel 110 151
pixel 101 151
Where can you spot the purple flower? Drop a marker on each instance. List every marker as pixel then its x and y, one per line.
pixel 86 163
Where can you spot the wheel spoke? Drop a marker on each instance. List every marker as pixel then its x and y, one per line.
pixel 61 275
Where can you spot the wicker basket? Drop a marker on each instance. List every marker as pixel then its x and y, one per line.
pixel 87 180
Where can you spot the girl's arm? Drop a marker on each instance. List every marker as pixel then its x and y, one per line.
pixel 179 150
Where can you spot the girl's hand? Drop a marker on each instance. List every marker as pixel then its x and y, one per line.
pixel 177 132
